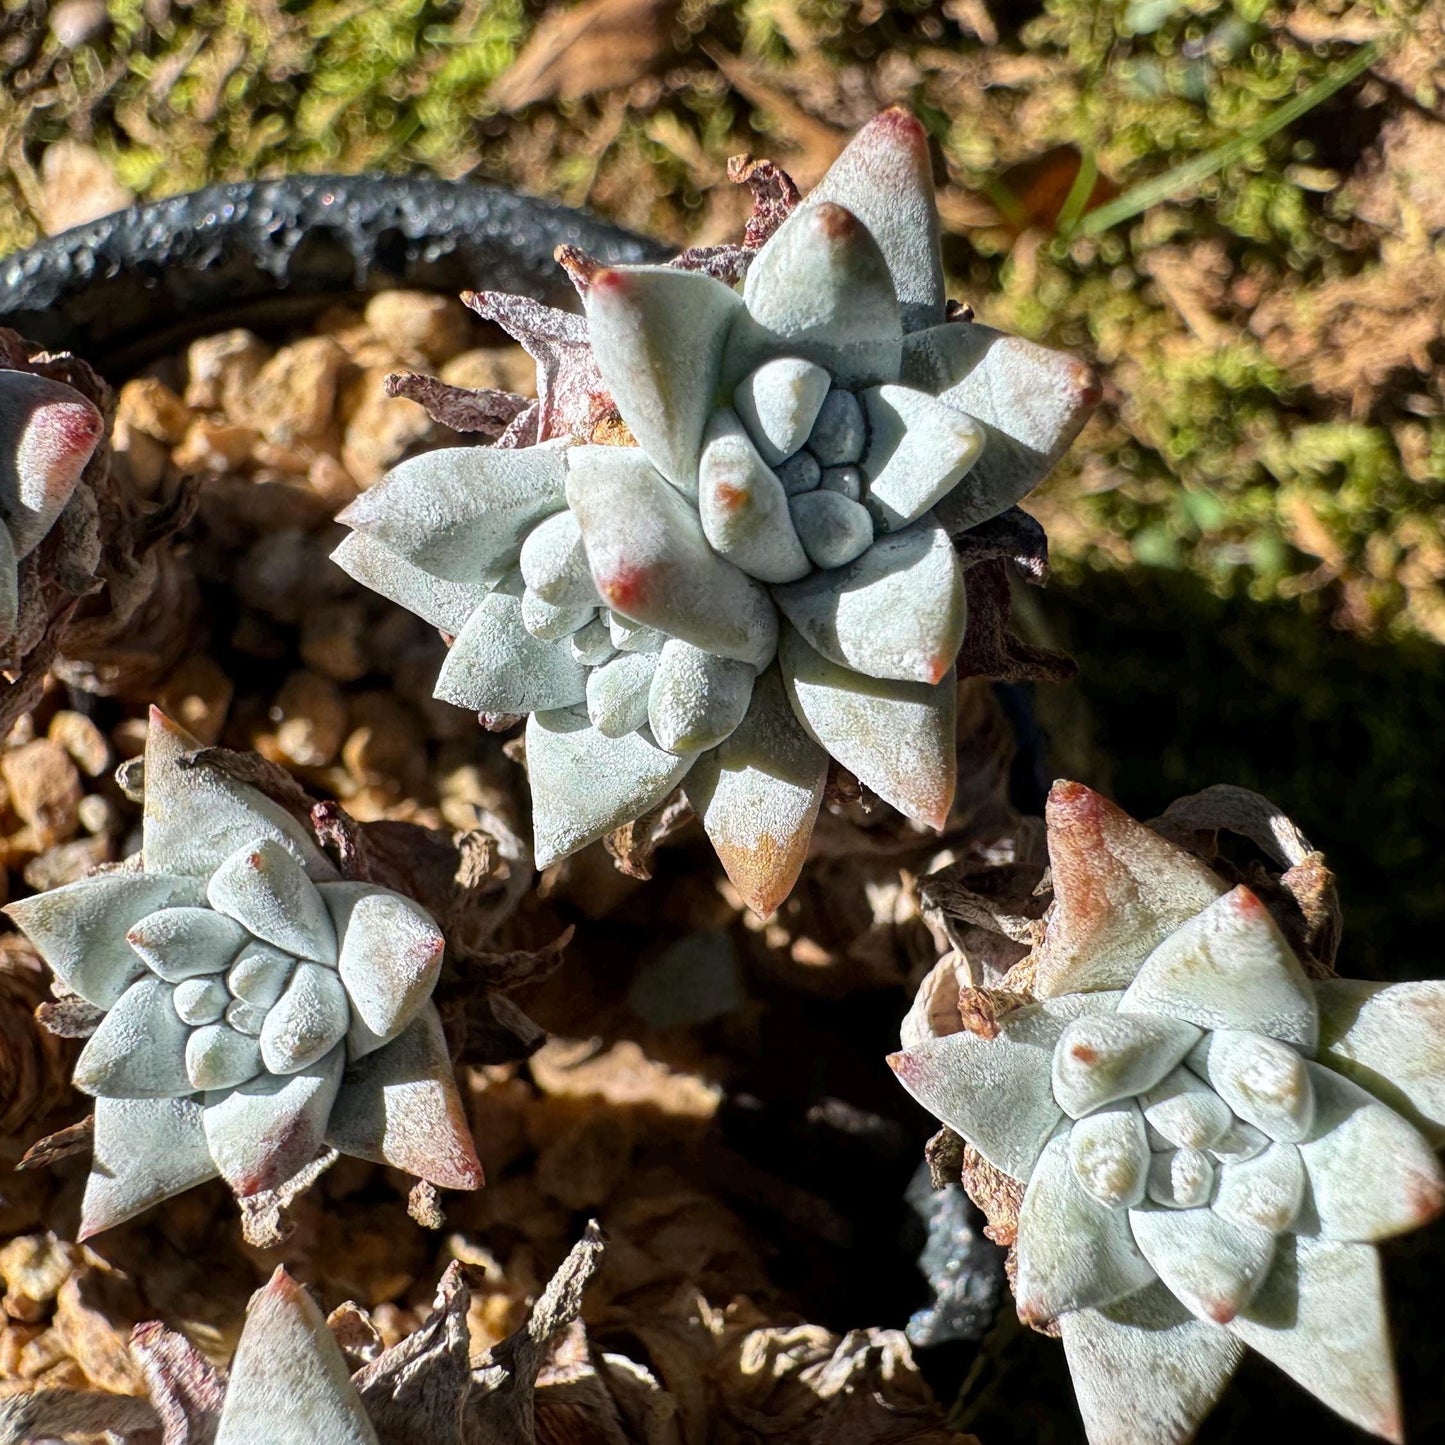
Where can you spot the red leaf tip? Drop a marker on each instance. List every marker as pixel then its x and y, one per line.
pixel 834 222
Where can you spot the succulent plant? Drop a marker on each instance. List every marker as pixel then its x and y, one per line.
pixel 257 1008
pixel 721 547
pixel 48 432
pixel 1208 1141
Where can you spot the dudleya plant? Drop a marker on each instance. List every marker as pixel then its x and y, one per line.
pixel 48 432
pixel 749 566
pixel 1209 1142
pixel 258 1009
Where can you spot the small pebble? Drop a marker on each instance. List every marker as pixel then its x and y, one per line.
pixel 82 740
pixel 214 446
pixel 221 368
pixel 434 327
pixel 311 720
pixel 45 791
pixel 152 407
pixel 293 397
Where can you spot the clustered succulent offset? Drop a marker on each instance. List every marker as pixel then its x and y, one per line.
pixel 1211 1141
pixel 48 432
pixel 257 1008
pixel 755 569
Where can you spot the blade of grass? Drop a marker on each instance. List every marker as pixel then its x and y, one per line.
pixel 1078 196
pixel 1171 183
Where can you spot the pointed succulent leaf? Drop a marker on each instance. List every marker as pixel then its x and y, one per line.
pixel 261 1133
pixel 898 611
pixel 1185 1110
pixel 1119 891
pixel 918 450
pixel 1229 967
pixel 652 562
pixel 1182 1364
pixel 197 817
pixel 779 403
pixel 585 784
pixel 758 794
pixel 1032 403
pixel 553 624
pixel 443 603
pixel 696 698
pixel 139 1049
pixel 617 692
pixel 1372 1174
pixel 391 956
pixel 496 665
pixel 462 513
pixel 1265 1192
pixel 290 1383
pixel 1320 1317
pixel 307 1021
pixel 1264 1081
pixel 182 943
pixel 1242 1141
pixel 400 1106
pixel 1212 1266
pixel 1109 1153
pixel 262 886
pixel 49 431
pixel 1105 1057
pixel 247 1018
pixel 80 928
pixel 591 645
pixel 554 563
pixel 819 289
pixel 1073 1252
pixel 885 178
pixel 995 1092
pixel 840 433
pixel 200 1000
pixel 1390 1040
pixel 217 1057
pixel 833 529
pixel 743 506
pixel 895 737
pixel 1180 1178
pixel 629 636
pixel 261 971
pixel 145 1150
pixel 658 335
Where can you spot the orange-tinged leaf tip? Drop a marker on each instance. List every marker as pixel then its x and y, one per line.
pixel 899 121
pixel 835 222
pixel 608 281
pixel 732 498
pixel 626 588
pixel 1427 1198
pixel 1221 1311
pixel 898 1063
pixel 1246 903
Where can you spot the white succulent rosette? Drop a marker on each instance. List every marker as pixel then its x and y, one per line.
pixel 765 574
pixel 1209 1142
pixel 48 432
pixel 258 1008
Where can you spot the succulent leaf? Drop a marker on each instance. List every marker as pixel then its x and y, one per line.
pixel 196 818
pixel 840 432
pixel 758 794
pixel 1119 891
pixel 1389 1039
pixel 306 1022
pixel 617 692
pixel 201 1000
pixel 1212 1265
pixel 1320 1316
pixel 819 289
pixel 996 1092
pixel 444 604
pixel 832 528
pixel 1185 1110
pixel 217 1057
pixel 261 1133
pixel 551 623
pixel 264 888
pixel 497 665
pixel 1180 1178
pixel 658 334
pixel 181 943
pixel 1109 1153
pixel 1073 1252
pixel 1229 967
pixel 1266 1191
pixel 919 449
pixel 290 1383
pixel 80 929
pixel 554 563
pixel 585 784
pixel 696 698
pixel 1372 1175
pixel 400 1107
pixel 138 1049
pixel 1264 1081
pixel 1150 1337
pixel 896 737
pixel 9 588
pixel 743 506
pixel 1104 1057
pixel 1031 402
pixel 898 611
pixel 391 956
pixel 145 1150
pixel 461 514
pixel 652 562
pixel 779 404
